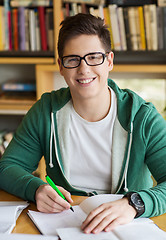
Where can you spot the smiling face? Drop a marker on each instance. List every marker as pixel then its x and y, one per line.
pixel 86 82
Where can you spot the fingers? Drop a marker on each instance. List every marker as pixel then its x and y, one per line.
pixel 108 216
pixel 66 194
pixel 48 200
pixel 97 220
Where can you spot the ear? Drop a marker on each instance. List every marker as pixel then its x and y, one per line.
pixel 60 66
pixel 110 59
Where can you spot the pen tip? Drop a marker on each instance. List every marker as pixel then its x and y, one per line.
pixel 72 209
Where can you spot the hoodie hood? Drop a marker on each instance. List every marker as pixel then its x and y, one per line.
pixel 127 101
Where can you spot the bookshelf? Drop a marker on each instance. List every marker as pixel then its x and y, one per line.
pixel 44 65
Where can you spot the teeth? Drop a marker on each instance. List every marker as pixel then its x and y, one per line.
pixel 85 80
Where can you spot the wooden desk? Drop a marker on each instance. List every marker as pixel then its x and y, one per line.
pixel 25 225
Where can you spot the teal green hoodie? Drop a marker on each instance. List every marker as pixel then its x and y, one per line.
pixel 138 149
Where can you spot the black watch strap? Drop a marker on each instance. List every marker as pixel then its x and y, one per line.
pixel 136 202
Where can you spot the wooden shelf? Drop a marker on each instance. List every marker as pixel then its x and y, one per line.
pixel 140 57
pixel 14 104
pixel 24 60
pixel 139 68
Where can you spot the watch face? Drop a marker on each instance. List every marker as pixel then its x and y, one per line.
pixel 136 200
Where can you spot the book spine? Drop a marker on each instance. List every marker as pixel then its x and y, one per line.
pixel 6 10
pixel 130 2
pixel 115 26
pixel 153 26
pixel 147 26
pixel 127 29
pixel 27 40
pixel 30 3
pixel 74 9
pixel 37 30
pixel 42 28
pixel 50 29
pixel 164 27
pixel 21 16
pixel 15 28
pixel 133 28
pixel 122 28
pixel 32 30
pixel 142 28
pixel 161 3
pixel 138 32
pixel 10 30
pixel 95 2
pixel 2 32
pixel 108 23
pixel 160 27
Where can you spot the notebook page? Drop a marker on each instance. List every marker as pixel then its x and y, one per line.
pixel 47 223
pixel 76 233
pixel 26 237
pixel 92 202
pixel 137 231
pixel 9 215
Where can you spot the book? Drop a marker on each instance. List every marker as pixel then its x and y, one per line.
pixel 136 231
pixel 27 38
pixel 2 29
pixel 147 27
pixel 132 13
pixel 93 2
pixel 142 28
pixel 127 28
pixel 122 28
pixel 10 212
pixel 32 32
pixel 14 85
pixel 153 27
pixel 164 20
pixel 160 27
pixel 50 28
pixel 43 35
pixel 21 19
pixel 15 28
pixel 115 26
pixel 37 30
pixel 19 236
pixel 6 20
pixel 49 224
pixel 30 3
pixel 131 2
pixel 161 3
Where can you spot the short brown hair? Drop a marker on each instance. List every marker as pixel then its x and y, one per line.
pixel 83 24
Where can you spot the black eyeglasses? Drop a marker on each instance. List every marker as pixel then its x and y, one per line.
pixel 91 59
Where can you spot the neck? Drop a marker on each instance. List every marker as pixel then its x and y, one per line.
pixel 94 109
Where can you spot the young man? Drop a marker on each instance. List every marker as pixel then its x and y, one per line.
pixel 95 137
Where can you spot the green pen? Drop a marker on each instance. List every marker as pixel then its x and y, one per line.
pixel 52 184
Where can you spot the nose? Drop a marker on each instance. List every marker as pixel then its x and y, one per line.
pixel 83 67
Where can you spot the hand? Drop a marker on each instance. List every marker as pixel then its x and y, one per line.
pixel 48 200
pixel 109 215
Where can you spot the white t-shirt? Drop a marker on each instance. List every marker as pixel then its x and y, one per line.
pixel 90 152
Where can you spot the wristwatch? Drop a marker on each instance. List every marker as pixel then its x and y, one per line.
pixel 136 202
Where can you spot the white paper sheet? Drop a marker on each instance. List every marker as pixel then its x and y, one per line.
pixel 9 212
pixel 26 237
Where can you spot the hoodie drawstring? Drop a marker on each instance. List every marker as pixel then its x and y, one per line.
pixel 51 139
pixel 128 157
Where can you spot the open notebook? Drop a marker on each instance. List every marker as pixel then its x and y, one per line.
pixel 26 237
pixel 67 223
pixel 9 212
